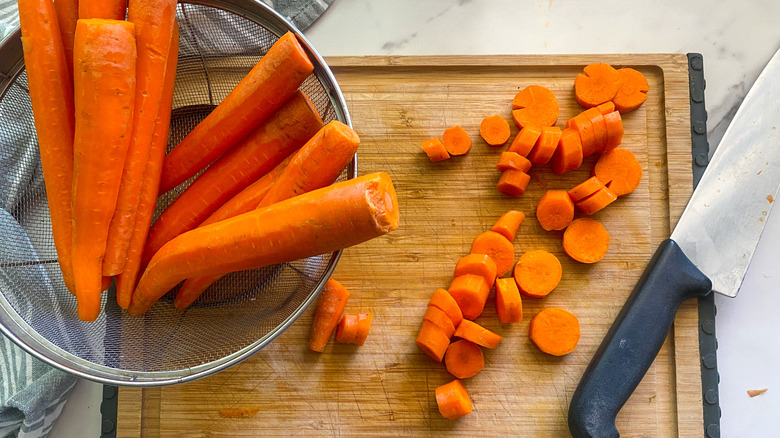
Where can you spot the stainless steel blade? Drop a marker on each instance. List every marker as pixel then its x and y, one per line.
pixel 721 225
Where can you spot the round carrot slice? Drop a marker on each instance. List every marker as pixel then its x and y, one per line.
pixel 477 264
pixel 438 317
pixel 586 240
pixel 498 248
pixel 620 170
pixel 598 85
pixel 537 273
pixel 555 331
pixel 555 210
pixel 456 140
pixel 444 301
pixel 568 155
pixel 453 400
pixel 585 189
pixel 432 341
pixel 435 150
pixel 471 331
pixel 494 130
pixel 464 359
pixel 632 91
pixel 597 201
pixel 535 105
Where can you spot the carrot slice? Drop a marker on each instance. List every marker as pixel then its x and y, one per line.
pixel 470 292
pixel 432 340
pixel 586 240
pixel 435 149
pixel 568 155
pixel 464 359
pixel 537 273
pixel 512 160
pixel 363 327
pixel 585 189
pixel 494 130
pixel 471 331
pixel 599 128
pixel 477 264
pixel 632 90
pixel 513 182
pixel 508 224
pixel 456 140
pixel 546 145
pixel 347 329
pixel 587 133
pixel 606 108
pixel 438 317
pixel 444 301
pixel 555 210
pixel 525 140
pixel 509 306
pixel 597 201
pixel 598 85
pixel 555 331
pixel 534 105
pixel 620 170
pixel 329 309
pixel 614 124
pixel 453 400
pixel 498 248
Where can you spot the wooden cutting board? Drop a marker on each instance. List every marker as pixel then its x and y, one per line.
pixel 387 386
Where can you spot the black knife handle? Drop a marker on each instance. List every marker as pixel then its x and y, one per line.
pixel 633 341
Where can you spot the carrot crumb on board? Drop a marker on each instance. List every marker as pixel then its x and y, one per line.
pixel 239 412
pixel 755 392
pixel 770 198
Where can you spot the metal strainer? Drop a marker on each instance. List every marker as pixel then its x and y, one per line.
pixel 237 316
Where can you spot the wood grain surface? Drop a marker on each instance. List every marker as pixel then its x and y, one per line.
pixel 386 387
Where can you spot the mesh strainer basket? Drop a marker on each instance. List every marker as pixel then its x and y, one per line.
pixel 237 316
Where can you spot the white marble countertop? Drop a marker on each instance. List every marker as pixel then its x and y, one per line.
pixel 736 38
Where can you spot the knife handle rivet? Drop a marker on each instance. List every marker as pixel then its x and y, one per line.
pixel 713 431
pixel 708 326
pixel 702 160
pixel 709 361
pixel 699 127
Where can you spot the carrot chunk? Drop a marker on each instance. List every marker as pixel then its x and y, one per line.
pixel 498 248
pixel 453 400
pixel 432 340
pixel 632 90
pixel 477 264
pixel 494 130
pixel 508 224
pixel 555 331
pixel 512 160
pixel 620 170
pixel 586 240
pixel 599 128
pixel 513 182
pixel 534 105
pixel 471 331
pixel 509 305
pixel 555 210
pixel 546 145
pixel 598 85
pixel 456 140
pixel 363 327
pixel 585 189
pixel 597 201
pixel 327 314
pixel 464 359
pixel 606 108
pixel 435 150
pixel 438 317
pixel 587 132
pixel 347 328
pixel 537 273
pixel 470 292
pixel 525 140
pixel 444 301
pixel 568 154
pixel 614 124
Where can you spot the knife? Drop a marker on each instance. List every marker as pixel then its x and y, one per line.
pixel 709 250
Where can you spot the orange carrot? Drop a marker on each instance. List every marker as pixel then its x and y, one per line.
pixel 432 340
pixel 267 86
pixel 534 105
pixel 438 317
pixel 104 90
pixel 435 150
pixel 275 139
pixel 471 331
pixel 125 282
pixel 509 306
pixel 599 128
pixel 555 331
pixel 619 170
pixel 494 130
pixel 606 108
pixel 537 273
pixel 546 145
pixel 568 155
pixel 51 95
pixel 477 264
pixel 67 14
pixel 318 222
pixel 508 224
pixel 598 85
pixel 513 182
pixel 153 20
pixel 464 359
pixel 444 301
pixel 453 400
pixel 364 326
pixel 614 125
pixel 596 201
pixel 513 160
pixel 333 298
pixel 587 133
pixel 585 189
pixel 347 328
pixel 456 140
pixel 525 140
pixel 470 292
pixel 110 9
pixel 498 248
pixel 586 240
pixel 555 210
pixel 632 90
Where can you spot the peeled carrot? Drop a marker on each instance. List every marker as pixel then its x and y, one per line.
pixel 513 182
pixel 330 306
pixel 109 9
pixel 509 306
pixel 494 130
pixel 267 86
pixel 555 331
pixel 596 201
pixel 508 224
pixel 585 189
pixel 568 155
pixel 632 90
pixel 435 150
pixel 525 140
pixel 470 292
pixel 555 210
pixel 347 328
pixel 537 273
pixel 125 281
pixel 432 340
pixel 453 400
pixel 319 222
pixel 464 359
pixel 512 160
pixel 51 95
pixel 154 21
pixel 614 125
pixel 546 145
pixel 598 85
pixel 67 14
pixel 440 318
pixel 586 240
pixel 620 170
pixel 498 248
pixel 456 140
pixel 471 331
pixel 444 301
pixel 606 108
pixel 534 105
pixel 477 264
pixel 104 90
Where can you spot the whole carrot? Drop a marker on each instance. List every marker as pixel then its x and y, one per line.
pixel 109 9
pixel 104 84
pixel 267 86
pixel 153 20
pixel 318 222
pixel 67 14
pixel 51 95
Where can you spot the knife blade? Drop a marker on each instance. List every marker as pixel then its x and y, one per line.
pixel 709 250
